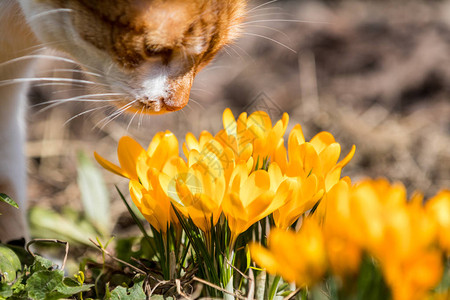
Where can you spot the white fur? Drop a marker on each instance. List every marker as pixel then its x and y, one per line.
pixel 16 42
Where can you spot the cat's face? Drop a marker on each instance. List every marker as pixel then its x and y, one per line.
pixel 148 50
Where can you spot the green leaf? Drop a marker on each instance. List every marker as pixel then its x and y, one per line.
pixel 5 198
pixel 42 283
pixel 94 194
pixel 274 286
pixel 41 264
pixel 70 287
pixel 49 224
pixel 9 264
pixel 135 292
pixel 5 290
pixel 371 284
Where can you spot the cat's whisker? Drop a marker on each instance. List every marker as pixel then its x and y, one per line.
pixel 46 13
pixel 62 84
pixel 270 39
pixel 131 121
pixel 274 14
pixel 78 71
pixel 227 52
pixel 141 115
pixel 202 90
pixel 38 56
pixel 242 49
pixel 183 113
pixel 38 48
pixel 235 51
pixel 108 119
pixel 62 102
pixel 189 106
pixel 47 56
pixel 261 5
pixel 270 28
pixel 80 99
pixel 83 113
pixel 49 79
pixel 264 10
pixel 198 103
pixel 75 88
pixel 212 68
pixel 83 98
pixel 283 20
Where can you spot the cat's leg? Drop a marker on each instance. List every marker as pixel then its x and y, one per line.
pixel 16 40
pixel 13 223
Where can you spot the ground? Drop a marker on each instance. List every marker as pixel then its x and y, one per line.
pixel 374 73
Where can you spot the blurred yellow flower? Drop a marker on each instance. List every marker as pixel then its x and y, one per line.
pixel 376 217
pixel 439 208
pixel 341 232
pixel 297 257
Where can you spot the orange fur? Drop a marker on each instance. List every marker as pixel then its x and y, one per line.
pixel 180 33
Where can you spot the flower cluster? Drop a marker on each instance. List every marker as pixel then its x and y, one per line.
pixel 407 239
pixel 244 173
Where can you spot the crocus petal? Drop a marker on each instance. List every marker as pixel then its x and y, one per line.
pixel 229 122
pixel 128 152
pixel 264 257
pixel 348 157
pixel 162 147
pixel 322 140
pixel 329 157
pixel 109 166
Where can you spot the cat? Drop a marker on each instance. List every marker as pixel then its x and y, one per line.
pixel 142 54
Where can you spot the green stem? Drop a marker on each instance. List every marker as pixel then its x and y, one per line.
pixel 274 287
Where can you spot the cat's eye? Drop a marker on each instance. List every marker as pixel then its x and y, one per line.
pixel 164 53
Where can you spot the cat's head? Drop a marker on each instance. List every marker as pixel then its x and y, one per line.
pixel 149 50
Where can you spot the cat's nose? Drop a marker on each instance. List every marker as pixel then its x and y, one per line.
pixel 170 105
pixel 177 100
pixel 162 104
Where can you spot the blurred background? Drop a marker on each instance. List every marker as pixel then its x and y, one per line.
pixel 373 73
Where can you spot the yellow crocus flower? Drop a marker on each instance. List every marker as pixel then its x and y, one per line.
pixel 439 208
pixel 399 234
pixel 319 156
pixel 163 146
pixel 305 195
pixel 197 190
pixel 341 232
pixel 152 202
pixel 251 197
pixel 128 152
pixel 142 168
pixel 297 257
pixel 315 167
pixel 252 136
